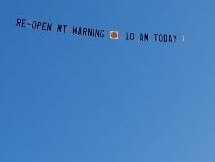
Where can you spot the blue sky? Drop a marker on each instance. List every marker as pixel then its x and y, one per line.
pixel 79 99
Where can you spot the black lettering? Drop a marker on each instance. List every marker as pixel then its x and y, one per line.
pixel 175 38
pixel 144 37
pixel 79 31
pixel 49 26
pixel 165 38
pixel 90 32
pixel 18 22
pixel 44 26
pixel 129 36
pixel 160 38
pixel 170 38
pixel 75 30
pixel 39 24
pixel 156 37
pixel 21 23
pixel 33 25
pixel 96 33
pixel 85 31
pixel 102 33
pixel 59 28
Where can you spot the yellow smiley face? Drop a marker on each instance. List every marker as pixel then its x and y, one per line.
pixel 114 35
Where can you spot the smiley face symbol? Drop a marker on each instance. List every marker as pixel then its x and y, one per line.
pixel 114 35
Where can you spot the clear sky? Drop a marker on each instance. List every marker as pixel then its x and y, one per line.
pixel 65 98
